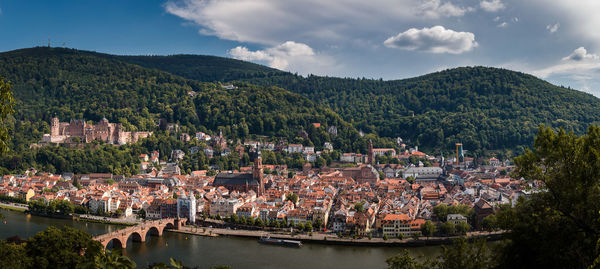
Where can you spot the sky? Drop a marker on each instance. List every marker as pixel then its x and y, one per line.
pixel 556 40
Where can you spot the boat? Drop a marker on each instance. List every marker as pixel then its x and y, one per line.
pixel 281 242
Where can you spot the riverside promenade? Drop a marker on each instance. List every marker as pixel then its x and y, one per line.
pixel 324 238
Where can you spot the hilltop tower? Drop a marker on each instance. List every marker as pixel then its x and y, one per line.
pixel 54 126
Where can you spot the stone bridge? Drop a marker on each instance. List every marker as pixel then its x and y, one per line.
pixel 138 233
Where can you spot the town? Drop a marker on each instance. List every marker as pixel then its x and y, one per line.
pixel 357 198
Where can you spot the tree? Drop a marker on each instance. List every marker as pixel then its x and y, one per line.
pixel 448 228
pixel 405 261
pixel 462 227
pixel 13 256
pixel 118 212
pixel 360 206
pixel 62 248
pixel 461 254
pixel 6 108
pixel 308 226
pixel 292 197
pixel 428 228
pixel 489 222
pixel 112 259
pixel 557 226
pixel 318 223
pixel 141 214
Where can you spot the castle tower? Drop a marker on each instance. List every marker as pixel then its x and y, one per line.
pixel 257 173
pixel 54 126
pixel 370 155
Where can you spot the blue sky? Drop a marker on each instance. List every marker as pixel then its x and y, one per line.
pixel 553 39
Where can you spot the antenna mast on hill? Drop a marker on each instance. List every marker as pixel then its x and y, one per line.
pixel 48 41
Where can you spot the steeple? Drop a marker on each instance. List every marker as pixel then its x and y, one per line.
pixel 370 155
pixel 257 174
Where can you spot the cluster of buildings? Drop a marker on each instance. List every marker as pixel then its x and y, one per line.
pixel 69 132
pixel 367 199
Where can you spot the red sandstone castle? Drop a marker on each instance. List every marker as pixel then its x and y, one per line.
pixel 112 133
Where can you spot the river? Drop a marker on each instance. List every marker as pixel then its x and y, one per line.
pixel 208 251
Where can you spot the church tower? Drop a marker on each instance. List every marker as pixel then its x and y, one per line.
pixel 54 126
pixel 370 155
pixel 257 174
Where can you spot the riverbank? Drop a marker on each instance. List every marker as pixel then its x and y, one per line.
pixel 13 207
pixel 82 218
pixel 329 239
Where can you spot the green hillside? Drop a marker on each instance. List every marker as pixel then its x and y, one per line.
pixel 484 108
pixel 203 68
pixel 74 84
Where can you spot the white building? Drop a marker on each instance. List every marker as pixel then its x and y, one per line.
pixel 456 218
pixel 422 171
pixel 186 207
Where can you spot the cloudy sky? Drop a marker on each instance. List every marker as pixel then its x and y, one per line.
pixel 556 40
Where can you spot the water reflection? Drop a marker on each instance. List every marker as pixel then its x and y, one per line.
pixel 209 251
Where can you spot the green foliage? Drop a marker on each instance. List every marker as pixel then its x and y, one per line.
pixel 6 108
pixel 428 228
pixel 462 228
pixel 53 207
pixel 112 260
pixel 141 214
pixel 448 228
pixel 442 210
pixel 485 108
pixel 292 197
pixel 13 256
pixel 85 85
pixel 360 206
pixel 558 226
pixel 462 254
pixel 12 199
pixel 62 248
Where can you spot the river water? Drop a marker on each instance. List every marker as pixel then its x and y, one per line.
pixel 211 251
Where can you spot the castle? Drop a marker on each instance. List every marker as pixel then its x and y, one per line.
pixel 112 133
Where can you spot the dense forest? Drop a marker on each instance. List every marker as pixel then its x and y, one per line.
pixel 484 108
pixel 80 85
pixel 491 111
pixel 73 84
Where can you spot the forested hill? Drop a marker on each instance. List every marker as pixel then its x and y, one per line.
pixel 204 68
pixel 484 108
pixel 76 84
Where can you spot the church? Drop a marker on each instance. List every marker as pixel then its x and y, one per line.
pixel 243 182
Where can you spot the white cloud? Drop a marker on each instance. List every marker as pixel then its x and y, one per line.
pixel 580 18
pixel 497 18
pixel 503 25
pixel 271 22
pixel 580 54
pixel 437 9
pixel 289 56
pixel 434 40
pixel 491 5
pixel 578 64
pixel 552 28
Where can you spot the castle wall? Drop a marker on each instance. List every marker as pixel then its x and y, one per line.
pixel 111 133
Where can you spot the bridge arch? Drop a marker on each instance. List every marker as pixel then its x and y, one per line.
pixel 154 231
pixel 168 226
pixel 117 243
pixel 137 236
pixel 139 232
